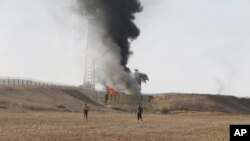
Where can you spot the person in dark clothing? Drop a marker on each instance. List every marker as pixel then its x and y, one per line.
pixel 85 110
pixel 139 112
pixel 106 98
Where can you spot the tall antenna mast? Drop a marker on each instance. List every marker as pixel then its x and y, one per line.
pixel 89 73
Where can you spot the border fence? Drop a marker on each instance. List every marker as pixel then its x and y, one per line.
pixel 29 82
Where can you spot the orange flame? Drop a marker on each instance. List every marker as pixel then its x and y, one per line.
pixel 111 90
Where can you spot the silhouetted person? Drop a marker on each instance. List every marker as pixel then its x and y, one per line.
pixel 106 98
pixel 85 110
pixel 139 112
pixel 107 95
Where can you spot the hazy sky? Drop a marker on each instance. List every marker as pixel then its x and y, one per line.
pixel 194 46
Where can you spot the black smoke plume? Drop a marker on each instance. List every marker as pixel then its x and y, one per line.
pixel 116 18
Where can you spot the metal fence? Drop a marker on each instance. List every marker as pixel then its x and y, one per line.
pixel 29 82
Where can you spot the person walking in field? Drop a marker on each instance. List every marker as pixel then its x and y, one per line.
pixel 139 112
pixel 85 110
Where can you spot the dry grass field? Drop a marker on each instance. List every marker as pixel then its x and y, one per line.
pixel 31 113
pixel 114 126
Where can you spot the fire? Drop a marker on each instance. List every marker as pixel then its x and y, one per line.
pixel 111 90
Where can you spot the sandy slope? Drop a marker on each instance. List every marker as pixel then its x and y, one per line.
pixel 43 98
pixel 198 102
pixel 72 99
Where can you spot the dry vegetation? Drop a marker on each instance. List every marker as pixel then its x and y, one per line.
pixel 52 114
pixel 199 102
pixel 66 126
pixel 44 98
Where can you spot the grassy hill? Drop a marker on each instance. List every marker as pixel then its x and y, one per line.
pixel 44 98
pixel 72 99
pixel 165 103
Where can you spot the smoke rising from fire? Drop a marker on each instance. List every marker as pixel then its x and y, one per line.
pixel 113 24
pixel 221 86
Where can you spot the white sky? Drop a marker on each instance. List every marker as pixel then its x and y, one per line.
pixel 194 46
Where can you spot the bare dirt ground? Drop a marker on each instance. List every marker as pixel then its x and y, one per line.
pixel 67 126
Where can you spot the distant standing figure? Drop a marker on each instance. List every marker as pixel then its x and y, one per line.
pixel 106 98
pixel 139 112
pixel 85 110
